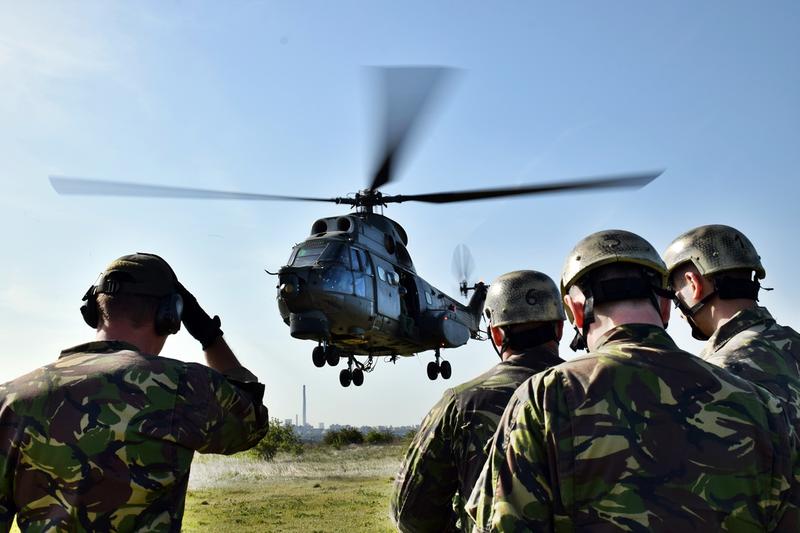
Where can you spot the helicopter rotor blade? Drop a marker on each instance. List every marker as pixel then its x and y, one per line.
pixel 91 187
pixel 638 180
pixel 405 93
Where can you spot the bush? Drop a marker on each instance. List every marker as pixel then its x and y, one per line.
pixel 341 437
pixel 379 437
pixel 279 438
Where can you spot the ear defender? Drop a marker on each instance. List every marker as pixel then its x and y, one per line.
pixel 89 308
pixel 168 315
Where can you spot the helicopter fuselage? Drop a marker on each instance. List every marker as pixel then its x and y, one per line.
pixel 351 285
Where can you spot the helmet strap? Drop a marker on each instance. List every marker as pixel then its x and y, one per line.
pixel 690 312
pixel 499 351
pixel 725 288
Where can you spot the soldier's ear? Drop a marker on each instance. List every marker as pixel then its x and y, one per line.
pixel 576 308
pixel 696 283
pixel 497 335
pixel 665 309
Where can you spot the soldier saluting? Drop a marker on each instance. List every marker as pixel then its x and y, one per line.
pixel 103 438
pixel 526 319
pixel 637 435
pixel 714 272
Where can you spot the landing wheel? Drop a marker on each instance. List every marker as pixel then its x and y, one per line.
pixel 318 356
pixel 345 377
pixel 433 370
pixel 358 377
pixel 445 370
pixel 332 357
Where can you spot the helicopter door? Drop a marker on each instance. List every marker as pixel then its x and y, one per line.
pixel 386 289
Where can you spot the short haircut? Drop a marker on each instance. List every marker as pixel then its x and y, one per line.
pixel 137 309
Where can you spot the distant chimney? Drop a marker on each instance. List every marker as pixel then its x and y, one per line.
pixel 305 422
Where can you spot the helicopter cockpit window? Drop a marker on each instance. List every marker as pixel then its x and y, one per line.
pixel 308 253
pixel 336 252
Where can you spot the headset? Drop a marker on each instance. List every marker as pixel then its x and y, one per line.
pixel 168 313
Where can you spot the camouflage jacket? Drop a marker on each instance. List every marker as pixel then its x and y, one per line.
pixel 446 456
pixel 640 436
pixel 102 439
pixel 753 346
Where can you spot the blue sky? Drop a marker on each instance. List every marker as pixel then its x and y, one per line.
pixel 272 97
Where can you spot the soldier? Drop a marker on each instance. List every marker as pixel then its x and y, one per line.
pixel 103 438
pixel 526 319
pixel 714 272
pixel 636 435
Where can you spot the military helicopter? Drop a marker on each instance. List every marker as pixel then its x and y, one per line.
pixel 351 285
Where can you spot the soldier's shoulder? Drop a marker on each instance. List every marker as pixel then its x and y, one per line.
pixel 500 379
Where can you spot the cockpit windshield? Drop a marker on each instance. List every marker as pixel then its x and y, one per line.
pixel 319 251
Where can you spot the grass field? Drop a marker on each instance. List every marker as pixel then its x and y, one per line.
pixel 324 490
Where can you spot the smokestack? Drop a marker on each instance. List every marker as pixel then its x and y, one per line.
pixel 304 406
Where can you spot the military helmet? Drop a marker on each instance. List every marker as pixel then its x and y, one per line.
pixel 523 296
pixel 712 249
pixel 608 247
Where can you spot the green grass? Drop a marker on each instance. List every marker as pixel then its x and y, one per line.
pixel 330 504
pixel 324 490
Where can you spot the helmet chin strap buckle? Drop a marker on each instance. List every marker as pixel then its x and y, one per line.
pixel 578 342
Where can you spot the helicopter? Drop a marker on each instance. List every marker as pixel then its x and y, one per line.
pixel 351 286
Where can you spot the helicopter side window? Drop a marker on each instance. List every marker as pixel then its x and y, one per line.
pixel 355 258
pixel 428 298
pixel 381 273
pixel 365 263
pixel 359 278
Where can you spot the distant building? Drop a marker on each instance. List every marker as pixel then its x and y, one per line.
pixel 322 426
pixel 287 422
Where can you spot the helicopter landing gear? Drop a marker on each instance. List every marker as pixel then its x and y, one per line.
pixel 445 369
pixel 436 368
pixel 352 375
pixel 332 357
pixel 318 356
pixel 325 354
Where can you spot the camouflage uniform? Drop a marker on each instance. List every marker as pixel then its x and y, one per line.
pixel 102 439
pixel 753 346
pixel 446 456
pixel 639 436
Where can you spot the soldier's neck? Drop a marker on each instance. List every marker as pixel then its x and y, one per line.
pixel 143 338
pixel 721 311
pixel 619 315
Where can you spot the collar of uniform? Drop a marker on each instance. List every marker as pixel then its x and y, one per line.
pixel 649 334
pixel 744 319
pixel 99 347
pixel 534 357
